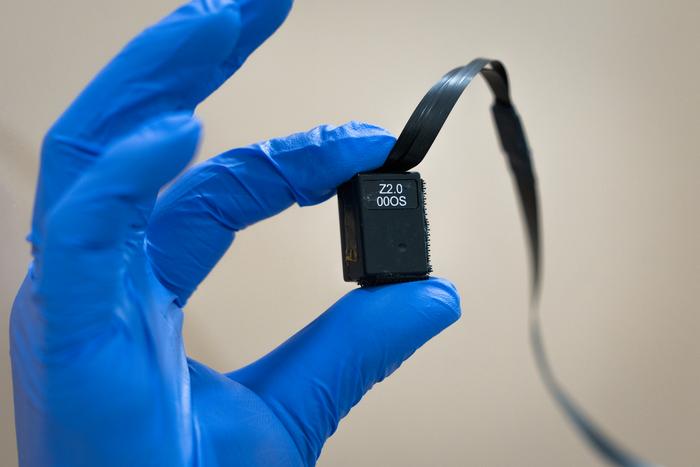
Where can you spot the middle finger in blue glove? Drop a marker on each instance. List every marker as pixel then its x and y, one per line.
pixel 170 67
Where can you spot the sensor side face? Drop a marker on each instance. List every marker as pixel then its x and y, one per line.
pixel 384 230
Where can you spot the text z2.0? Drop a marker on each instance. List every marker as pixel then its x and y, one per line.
pixel 383 194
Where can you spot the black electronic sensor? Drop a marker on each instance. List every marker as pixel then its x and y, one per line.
pixel 383 228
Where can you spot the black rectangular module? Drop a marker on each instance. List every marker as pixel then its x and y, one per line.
pixel 383 228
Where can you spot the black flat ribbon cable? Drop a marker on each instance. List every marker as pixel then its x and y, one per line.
pixel 412 146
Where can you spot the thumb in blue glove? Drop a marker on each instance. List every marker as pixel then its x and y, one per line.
pixel 99 369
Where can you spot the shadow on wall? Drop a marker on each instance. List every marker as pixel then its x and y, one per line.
pixel 18 164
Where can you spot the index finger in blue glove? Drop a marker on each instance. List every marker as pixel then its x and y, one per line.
pixel 195 221
pixel 171 66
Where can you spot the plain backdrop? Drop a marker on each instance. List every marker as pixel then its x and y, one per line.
pixel 608 93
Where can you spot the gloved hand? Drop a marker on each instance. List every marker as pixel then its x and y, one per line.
pixel 99 370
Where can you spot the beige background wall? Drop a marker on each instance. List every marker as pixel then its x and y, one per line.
pixel 608 92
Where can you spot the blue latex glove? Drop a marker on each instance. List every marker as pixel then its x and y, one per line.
pixel 99 370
